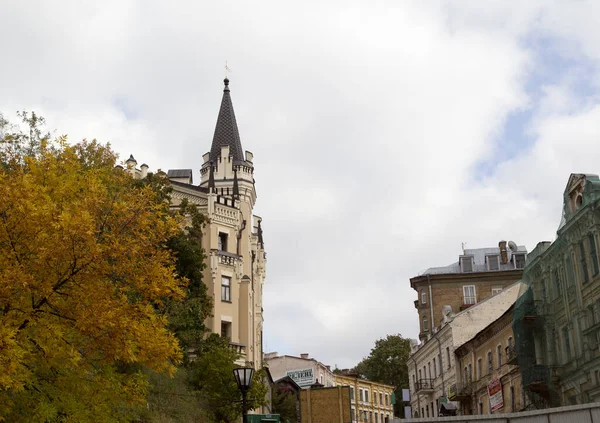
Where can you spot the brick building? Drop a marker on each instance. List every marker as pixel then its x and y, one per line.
pixel 478 274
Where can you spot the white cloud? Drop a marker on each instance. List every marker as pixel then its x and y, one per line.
pixel 367 124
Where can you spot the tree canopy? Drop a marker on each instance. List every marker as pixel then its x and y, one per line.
pixel 101 292
pixel 387 363
pixel 82 270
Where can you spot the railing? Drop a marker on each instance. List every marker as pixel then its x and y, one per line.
pixel 536 377
pixel 238 348
pixel 227 258
pixel 424 385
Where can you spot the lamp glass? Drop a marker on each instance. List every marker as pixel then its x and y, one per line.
pixel 243 377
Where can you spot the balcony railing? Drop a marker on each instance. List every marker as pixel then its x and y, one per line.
pixel 464 392
pixel 425 385
pixel 227 258
pixel 238 348
pixel 536 378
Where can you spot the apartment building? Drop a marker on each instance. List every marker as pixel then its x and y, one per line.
pixel 435 374
pixel 557 319
pixel 489 374
pixel 478 274
pixel 370 402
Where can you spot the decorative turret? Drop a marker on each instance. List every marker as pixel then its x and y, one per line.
pixel 227 169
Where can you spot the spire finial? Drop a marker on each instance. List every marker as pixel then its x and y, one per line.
pixel 226 80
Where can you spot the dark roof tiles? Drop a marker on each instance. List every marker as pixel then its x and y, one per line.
pixel 226 131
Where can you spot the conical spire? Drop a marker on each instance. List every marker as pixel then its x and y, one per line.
pixel 226 131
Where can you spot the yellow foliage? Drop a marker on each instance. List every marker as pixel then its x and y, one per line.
pixel 82 267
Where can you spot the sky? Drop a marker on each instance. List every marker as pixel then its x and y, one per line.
pixel 385 133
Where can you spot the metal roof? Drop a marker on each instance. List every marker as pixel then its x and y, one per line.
pixel 179 173
pixel 479 261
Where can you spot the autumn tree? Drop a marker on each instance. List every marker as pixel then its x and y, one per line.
pixel 387 363
pixel 83 274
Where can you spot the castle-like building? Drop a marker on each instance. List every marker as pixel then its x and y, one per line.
pixel 232 238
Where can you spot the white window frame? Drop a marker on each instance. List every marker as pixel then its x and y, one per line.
pixel 462 264
pixel 423 297
pixel 496 290
pixel 226 288
pixel 425 324
pixel 496 257
pixel 465 296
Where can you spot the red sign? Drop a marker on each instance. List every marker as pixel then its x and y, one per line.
pixel 495 395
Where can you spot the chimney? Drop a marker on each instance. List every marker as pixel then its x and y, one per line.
pixel 304 355
pixel 503 252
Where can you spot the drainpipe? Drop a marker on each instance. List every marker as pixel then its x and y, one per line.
pixel 430 302
pixel 416 378
pixel 440 363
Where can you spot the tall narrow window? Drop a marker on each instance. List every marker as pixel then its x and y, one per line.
pixel 470 372
pixel 489 363
pixel 499 353
pixel 556 281
pixel 425 323
pixel 448 356
pixel 222 241
pixel 423 297
pixel 479 368
pixel 593 254
pixel 225 288
pixel 469 294
pixel 429 366
pixel 570 273
pixel 226 329
pixel 434 368
pixel 584 271
pixel 567 342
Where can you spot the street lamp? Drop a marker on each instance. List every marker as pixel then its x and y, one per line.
pixel 243 377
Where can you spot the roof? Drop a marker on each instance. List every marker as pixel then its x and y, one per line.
pixel 189 186
pixel 479 261
pixel 179 173
pixel 468 323
pixel 226 131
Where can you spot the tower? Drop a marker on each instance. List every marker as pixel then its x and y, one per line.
pixel 232 238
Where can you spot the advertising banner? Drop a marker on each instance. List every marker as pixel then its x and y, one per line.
pixel 495 395
pixel 303 377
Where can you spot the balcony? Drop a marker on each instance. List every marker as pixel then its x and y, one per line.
pixel 238 348
pixel 464 393
pixel 537 378
pixel 227 258
pixel 511 354
pixel 425 385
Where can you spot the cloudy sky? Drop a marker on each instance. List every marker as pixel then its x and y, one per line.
pixel 385 133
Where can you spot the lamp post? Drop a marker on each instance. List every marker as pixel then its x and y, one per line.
pixel 243 377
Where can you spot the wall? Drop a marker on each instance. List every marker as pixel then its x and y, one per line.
pixel 588 413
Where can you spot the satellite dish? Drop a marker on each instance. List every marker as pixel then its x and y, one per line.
pixel 512 246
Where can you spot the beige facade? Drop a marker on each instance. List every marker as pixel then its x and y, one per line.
pixel 488 363
pixel 478 274
pixel 434 372
pixel 369 401
pixel 232 238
